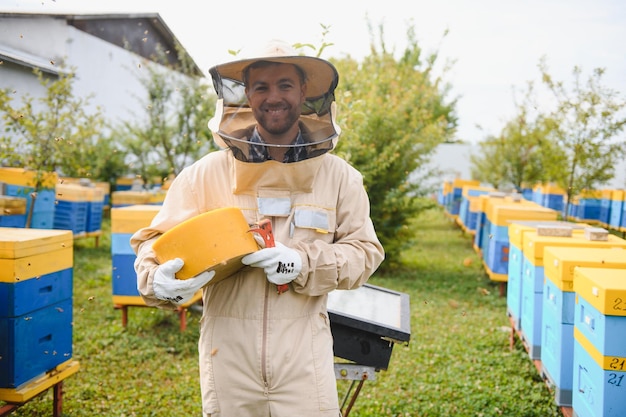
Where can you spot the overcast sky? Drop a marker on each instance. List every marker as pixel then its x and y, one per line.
pixel 494 45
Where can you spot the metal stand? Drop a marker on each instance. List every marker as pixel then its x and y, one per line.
pixel 358 374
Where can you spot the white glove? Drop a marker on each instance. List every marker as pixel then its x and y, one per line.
pixel 167 287
pixel 281 264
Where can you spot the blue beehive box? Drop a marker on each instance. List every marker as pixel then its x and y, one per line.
pixel 500 217
pixel 455 195
pixel 617 209
pixel 95 209
pixel 558 309
pixel 599 388
pixel 72 208
pixel 20 182
pixel 12 210
pixel 36 268
pixel 35 343
pixel 24 296
pixel 482 227
pixel 43 208
pixel 600 342
pixel 588 205
pixel 123 277
pixel 533 275
pixel 514 286
pixel 606 199
pixel 549 195
pixel 82 203
pixel 469 205
pixel 601 308
pixel 14 220
pixel 517 230
pixel 557 345
pixel 124 222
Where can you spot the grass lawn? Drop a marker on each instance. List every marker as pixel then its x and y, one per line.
pixel 458 362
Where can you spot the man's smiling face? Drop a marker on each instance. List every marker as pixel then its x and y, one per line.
pixel 275 94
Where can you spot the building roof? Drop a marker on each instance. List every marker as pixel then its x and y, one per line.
pixel 24 58
pixel 141 33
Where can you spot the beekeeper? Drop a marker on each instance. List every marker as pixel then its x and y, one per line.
pixel 263 353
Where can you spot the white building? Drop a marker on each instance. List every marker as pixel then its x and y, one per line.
pixel 107 53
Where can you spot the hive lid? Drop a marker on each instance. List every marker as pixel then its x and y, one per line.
pixel 20 242
pixel 503 215
pixel 130 197
pixel 604 289
pixel 129 219
pixel 534 244
pixel 71 192
pixel 560 262
pixel 517 228
pixel 27 178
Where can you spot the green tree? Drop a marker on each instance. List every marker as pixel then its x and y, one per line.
pixel 393 114
pixel 486 165
pixel 175 133
pixel 52 133
pixel 522 154
pixel 588 118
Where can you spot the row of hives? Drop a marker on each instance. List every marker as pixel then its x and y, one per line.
pixel 565 284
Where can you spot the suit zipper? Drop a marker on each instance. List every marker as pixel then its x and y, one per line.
pixel 264 345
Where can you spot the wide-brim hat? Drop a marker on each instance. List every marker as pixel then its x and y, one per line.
pixel 233 116
pixel 321 75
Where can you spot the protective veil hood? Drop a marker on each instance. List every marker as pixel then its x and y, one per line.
pixel 233 121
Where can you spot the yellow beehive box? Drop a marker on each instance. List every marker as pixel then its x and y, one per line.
pixel 552 189
pixel 534 244
pixel 129 198
pixel 27 178
pixel 157 197
pixel 95 194
pixel 104 186
pixel 73 180
pixel 29 253
pixel 559 263
pixel 467 189
pixel 604 289
pixel 129 219
pixel 474 203
pixel 12 205
pixel 607 194
pixel 460 183
pixel 493 199
pixel 486 201
pixel 505 214
pixel 71 192
pixel 618 195
pixel 548 189
pixel 126 181
pixel 590 194
pixel 446 188
pixel 518 228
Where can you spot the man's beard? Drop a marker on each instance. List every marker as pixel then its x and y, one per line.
pixel 277 126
